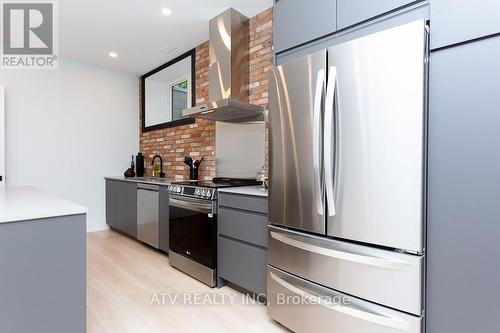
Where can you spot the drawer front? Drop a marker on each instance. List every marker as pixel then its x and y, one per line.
pixel 385 277
pixel 243 265
pixel 305 307
pixel 248 227
pixel 244 202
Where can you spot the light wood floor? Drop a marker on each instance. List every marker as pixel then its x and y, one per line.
pixel 122 276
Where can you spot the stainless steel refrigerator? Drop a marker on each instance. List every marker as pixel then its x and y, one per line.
pixel 347 185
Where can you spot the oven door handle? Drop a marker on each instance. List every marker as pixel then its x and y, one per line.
pixel 202 207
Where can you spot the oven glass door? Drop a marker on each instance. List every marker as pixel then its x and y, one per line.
pixel 193 230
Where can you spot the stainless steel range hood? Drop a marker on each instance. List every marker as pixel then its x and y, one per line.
pixel 228 72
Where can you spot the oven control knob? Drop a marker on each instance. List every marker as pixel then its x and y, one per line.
pixel 202 193
pixel 179 189
pixel 208 194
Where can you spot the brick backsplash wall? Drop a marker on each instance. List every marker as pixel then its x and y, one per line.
pixel 198 139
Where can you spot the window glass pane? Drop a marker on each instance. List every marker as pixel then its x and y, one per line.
pixel 179 99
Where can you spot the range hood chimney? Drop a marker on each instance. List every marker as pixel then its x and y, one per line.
pixel 228 72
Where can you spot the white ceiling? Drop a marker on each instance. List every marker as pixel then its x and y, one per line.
pixel 137 30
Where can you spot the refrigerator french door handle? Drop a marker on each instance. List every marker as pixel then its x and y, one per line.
pixel 329 138
pixel 344 309
pixel 317 144
pixel 342 255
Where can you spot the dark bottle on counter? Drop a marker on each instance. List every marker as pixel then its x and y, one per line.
pixel 130 171
pixel 139 165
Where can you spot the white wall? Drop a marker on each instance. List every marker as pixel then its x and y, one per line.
pixel 68 128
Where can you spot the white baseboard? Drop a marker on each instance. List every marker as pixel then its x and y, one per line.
pixel 96 225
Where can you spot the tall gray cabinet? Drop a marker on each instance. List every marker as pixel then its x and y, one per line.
pixel 463 229
pixel 456 21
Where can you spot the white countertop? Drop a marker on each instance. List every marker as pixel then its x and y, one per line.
pixel 256 190
pixel 28 203
pixel 143 180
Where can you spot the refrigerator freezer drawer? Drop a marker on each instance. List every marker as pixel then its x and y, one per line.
pixel 305 307
pixel 385 277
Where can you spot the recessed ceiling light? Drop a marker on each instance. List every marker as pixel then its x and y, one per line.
pixel 113 54
pixel 166 11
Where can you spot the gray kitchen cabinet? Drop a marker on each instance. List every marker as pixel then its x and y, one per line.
pixel 130 226
pixel 351 12
pixel 300 21
pixel 248 227
pixel 455 21
pixel 463 227
pixel 418 11
pixel 242 242
pixel 111 203
pixel 163 222
pixel 43 278
pixel 243 202
pixel 121 206
pixel 243 265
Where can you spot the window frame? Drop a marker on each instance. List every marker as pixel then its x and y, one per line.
pixel 192 91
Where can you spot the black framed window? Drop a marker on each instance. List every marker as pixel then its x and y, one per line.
pixel 166 91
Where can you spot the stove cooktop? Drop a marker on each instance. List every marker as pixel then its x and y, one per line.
pixel 220 182
pixel 207 189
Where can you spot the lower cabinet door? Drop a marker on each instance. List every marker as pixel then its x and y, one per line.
pixel 131 210
pixel 306 307
pixel 110 203
pixel 243 265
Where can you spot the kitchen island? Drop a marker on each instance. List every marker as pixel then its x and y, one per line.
pixel 42 262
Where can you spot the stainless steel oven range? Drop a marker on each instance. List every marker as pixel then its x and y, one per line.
pixel 193 226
